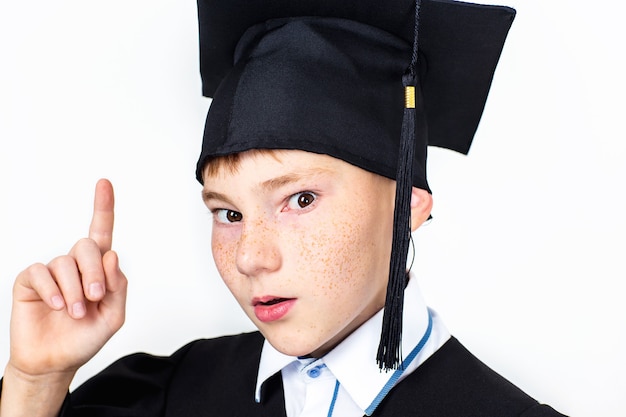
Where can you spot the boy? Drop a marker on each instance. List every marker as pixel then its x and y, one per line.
pixel 315 179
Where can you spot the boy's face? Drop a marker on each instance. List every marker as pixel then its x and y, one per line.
pixel 303 242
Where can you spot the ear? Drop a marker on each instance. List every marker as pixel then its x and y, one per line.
pixel 421 205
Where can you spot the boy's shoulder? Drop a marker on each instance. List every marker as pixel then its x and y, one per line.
pixel 202 355
pixel 226 346
pixel 454 382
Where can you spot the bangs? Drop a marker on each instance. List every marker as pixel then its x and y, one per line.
pixel 230 163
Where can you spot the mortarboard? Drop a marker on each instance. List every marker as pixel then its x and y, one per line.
pixel 330 77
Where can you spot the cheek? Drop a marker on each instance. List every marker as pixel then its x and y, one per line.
pixel 357 252
pixel 332 257
pixel 223 246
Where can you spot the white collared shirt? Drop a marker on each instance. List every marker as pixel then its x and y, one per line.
pixel 347 381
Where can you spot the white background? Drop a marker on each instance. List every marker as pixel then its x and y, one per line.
pixel 525 259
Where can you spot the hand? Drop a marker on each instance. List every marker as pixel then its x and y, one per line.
pixel 65 311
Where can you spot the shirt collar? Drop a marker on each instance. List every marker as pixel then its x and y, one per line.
pixel 271 362
pixel 353 361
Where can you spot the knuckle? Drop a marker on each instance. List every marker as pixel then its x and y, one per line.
pixel 85 244
pixel 87 241
pixel 36 269
pixel 30 275
pixel 62 262
pixel 36 279
pixel 35 273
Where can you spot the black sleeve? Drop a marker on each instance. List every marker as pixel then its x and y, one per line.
pixel 133 386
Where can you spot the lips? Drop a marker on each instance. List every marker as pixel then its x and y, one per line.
pixel 271 308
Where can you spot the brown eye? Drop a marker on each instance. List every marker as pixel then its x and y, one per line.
pixel 301 200
pixel 233 216
pixel 305 199
pixel 225 216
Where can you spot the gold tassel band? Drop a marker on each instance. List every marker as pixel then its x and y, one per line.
pixel 409 97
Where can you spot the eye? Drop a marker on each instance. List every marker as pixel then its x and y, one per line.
pixel 301 200
pixel 227 216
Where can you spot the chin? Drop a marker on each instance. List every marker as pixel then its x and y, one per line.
pixel 291 347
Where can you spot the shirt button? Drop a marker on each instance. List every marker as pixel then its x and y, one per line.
pixel 314 372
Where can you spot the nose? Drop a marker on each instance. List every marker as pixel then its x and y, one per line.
pixel 258 251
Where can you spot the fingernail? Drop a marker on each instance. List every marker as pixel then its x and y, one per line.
pixel 78 309
pixel 96 290
pixel 57 302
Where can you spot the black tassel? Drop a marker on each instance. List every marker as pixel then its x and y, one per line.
pixel 389 354
pixel 389 350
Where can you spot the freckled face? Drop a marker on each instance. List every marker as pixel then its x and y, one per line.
pixel 303 242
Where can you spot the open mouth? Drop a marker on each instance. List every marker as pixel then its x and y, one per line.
pixel 268 300
pixel 272 301
pixel 270 308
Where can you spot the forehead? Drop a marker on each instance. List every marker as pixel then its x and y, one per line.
pixel 231 163
pixel 288 160
pixel 256 167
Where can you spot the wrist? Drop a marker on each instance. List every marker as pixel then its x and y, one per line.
pixel 43 379
pixel 24 394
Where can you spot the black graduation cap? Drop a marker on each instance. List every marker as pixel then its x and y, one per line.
pixel 330 77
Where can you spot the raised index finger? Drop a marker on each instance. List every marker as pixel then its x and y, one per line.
pixel 101 227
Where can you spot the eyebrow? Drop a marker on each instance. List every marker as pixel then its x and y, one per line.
pixel 278 182
pixel 208 195
pixel 273 183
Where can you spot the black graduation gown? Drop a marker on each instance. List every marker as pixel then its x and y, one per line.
pixel 217 378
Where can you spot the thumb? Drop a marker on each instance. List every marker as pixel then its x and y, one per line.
pixel 113 305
